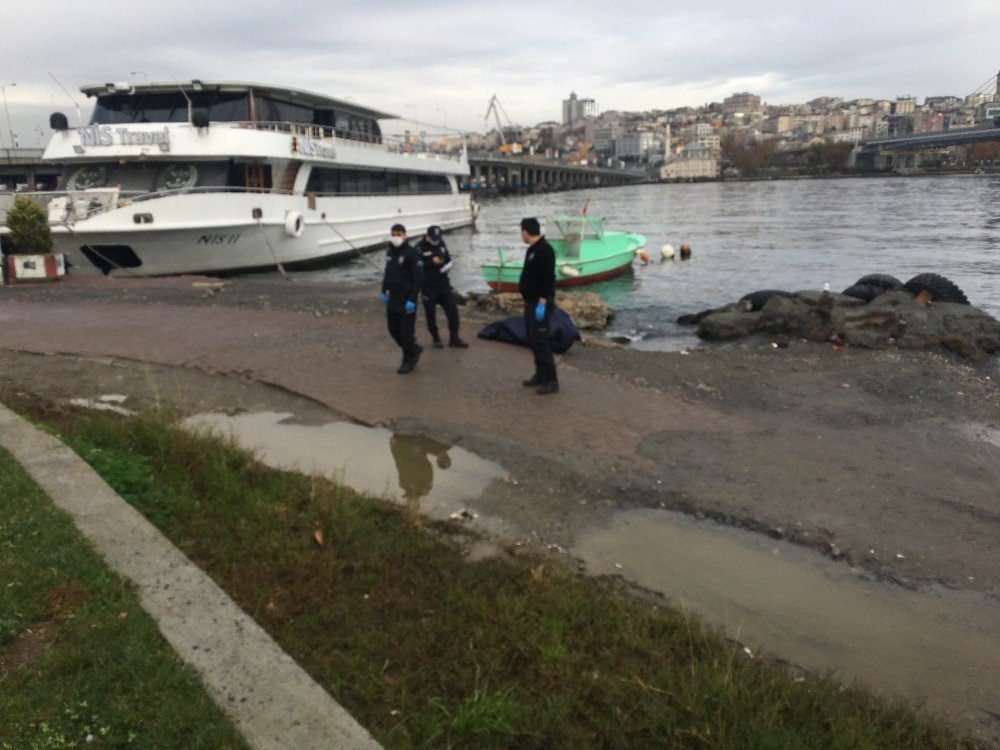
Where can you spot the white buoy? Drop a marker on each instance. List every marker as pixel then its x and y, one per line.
pixel 667 252
pixel 568 270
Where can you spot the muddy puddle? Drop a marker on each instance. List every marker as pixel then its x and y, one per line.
pixel 433 478
pixel 937 646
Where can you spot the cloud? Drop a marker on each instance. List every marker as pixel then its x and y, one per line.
pixel 446 58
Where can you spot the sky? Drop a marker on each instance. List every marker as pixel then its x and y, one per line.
pixel 441 61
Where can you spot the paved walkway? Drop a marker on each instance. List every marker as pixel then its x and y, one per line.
pixel 269 698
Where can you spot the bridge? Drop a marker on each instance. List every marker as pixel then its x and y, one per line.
pixel 24 166
pixel 902 152
pixel 530 174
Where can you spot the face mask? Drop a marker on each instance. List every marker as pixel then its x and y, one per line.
pixel 396 241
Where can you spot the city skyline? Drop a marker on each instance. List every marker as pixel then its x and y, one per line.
pixel 441 62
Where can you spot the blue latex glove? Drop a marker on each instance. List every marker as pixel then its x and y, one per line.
pixel 411 307
pixel 540 312
pixel 384 297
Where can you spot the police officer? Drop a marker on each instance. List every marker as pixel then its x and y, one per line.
pixel 437 286
pixel 538 288
pixel 401 282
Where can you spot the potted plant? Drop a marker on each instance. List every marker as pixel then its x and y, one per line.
pixel 32 256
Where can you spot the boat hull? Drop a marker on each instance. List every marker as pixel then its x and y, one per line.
pixel 596 261
pixel 228 239
pixel 562 281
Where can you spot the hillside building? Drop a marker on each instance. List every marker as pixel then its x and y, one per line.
pixel 576 110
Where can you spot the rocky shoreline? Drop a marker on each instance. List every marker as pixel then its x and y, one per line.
pixel 888 318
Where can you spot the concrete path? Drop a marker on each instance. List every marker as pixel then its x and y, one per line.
pixel 269 698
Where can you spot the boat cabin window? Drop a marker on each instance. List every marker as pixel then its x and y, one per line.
pixel 166 106
pixel 336 181
pixel 272 110
pixel 335 121
pixel 230 106
pixel 146 176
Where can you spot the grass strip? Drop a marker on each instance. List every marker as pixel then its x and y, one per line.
pixel 428 650
pixel 81 665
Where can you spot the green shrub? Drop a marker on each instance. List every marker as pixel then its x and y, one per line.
pixel 29 229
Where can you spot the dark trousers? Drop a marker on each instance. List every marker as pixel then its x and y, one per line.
pixel 440 295
pixel 538 339
pixel 401 325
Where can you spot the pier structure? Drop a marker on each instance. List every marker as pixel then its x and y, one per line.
pixel 525 174
pixel 23 168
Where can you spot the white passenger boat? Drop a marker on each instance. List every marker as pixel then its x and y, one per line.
pixel 201 177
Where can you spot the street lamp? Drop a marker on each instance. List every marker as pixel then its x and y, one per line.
pixel 3 91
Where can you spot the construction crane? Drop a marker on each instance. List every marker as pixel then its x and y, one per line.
pixel 495 107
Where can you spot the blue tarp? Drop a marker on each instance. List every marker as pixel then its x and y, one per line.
pixel 562 331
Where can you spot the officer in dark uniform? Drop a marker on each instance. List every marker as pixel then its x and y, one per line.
pixel 538 288
pixel 401 282
pixel 437 286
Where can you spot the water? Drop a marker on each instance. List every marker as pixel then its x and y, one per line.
pixel 427 476
pixel 785 234
pixel 935 645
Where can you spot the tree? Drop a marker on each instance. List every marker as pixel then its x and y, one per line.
pixel 986 150
pixel 748 156
pixel 29 229
pixel 832 156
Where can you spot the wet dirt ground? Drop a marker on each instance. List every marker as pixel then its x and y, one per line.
pixel 881 464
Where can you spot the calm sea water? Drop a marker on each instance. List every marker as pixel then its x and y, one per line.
pixel 789 234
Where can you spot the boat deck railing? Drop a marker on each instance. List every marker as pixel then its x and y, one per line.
pixel 421 146
pixel 82 204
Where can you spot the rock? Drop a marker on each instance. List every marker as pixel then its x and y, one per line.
pixel 868 327
pixel 959 328
pixel 894 318
pixel 509 303
pixel 586 309
pixel 692 319
pixel 828 299
pixel 725 326
pixel 792 316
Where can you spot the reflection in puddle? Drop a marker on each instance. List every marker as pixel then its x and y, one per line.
pixel 942 646
pixel 371 460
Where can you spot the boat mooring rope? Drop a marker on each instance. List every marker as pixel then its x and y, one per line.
pixel 273 254
pixel 352 245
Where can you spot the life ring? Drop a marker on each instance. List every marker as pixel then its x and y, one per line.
pixel 294 224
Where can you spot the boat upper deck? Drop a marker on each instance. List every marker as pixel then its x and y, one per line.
pixel 206 119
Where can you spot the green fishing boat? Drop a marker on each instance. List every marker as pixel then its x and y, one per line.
pixel 585 252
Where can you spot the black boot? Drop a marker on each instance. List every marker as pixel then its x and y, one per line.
pixel 546 388
pixel 458 343
pixel 532 381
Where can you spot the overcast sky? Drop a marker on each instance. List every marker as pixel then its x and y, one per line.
pixel 443 60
